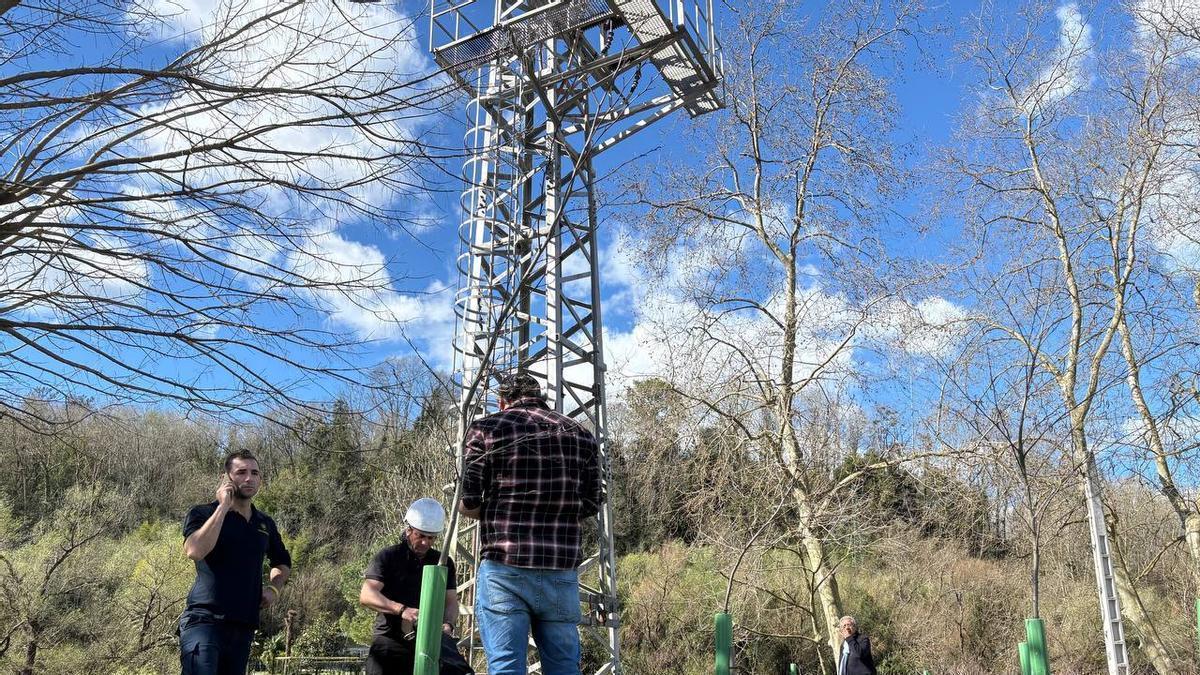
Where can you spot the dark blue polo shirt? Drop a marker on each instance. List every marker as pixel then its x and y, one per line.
pixel 229 580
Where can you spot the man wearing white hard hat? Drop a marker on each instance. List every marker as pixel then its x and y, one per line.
pixel 392 587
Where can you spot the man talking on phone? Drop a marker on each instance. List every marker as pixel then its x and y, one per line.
pixel 228 539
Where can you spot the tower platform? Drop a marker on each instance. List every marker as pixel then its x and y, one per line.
pixel 684 49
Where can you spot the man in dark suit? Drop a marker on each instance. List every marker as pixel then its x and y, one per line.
pixel 855 657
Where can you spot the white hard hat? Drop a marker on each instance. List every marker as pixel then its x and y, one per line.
pixel 426 515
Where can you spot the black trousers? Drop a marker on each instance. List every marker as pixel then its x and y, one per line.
pixel 215 648
pixel 395 657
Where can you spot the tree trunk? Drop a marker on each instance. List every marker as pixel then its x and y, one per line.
pixel 824 576
pixel 827 594
pixel 1035 573
pixel 31 651
pixel 1133 609
pixel 1188 513
pixel 1191 534
pixel 1189 518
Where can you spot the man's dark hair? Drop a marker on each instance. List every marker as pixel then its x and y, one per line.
pixel 242 454
pixel 518 384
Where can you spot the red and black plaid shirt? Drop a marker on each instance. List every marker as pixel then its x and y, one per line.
pixel 536 473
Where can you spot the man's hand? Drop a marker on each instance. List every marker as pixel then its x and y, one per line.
pixel 201 542
pixel 225 493
pixel 410 614
pixel 269 595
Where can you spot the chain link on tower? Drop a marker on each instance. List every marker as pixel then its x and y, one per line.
pixel 553 84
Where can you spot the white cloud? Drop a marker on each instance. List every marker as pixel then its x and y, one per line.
pixel 932 327
pixel 648 347
pixel 1178 433
pixel 1163 17
pixel 177 20
pixel 1179 250
pixel 1067 70
pixel 939 312
pixel 1172 223
pixel 677 334
pixel 299 62
pixel 355 288
pixel 64 268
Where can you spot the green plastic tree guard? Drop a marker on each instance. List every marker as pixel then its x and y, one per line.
pixel 1023 650
pixel 1035 635
pixel 724 626
pixel 793 669
pixel 430 616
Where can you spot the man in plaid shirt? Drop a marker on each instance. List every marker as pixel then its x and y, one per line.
pixel 531 476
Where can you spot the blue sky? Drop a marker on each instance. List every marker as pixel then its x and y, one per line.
pixel 933 87
pixel 929 97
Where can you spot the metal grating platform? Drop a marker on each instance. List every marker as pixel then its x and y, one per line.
pixel 683 65
pixel 686 67
pixel 523 31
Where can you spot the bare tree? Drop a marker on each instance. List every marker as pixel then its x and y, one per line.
pixel 997 415
pixel 768 246
pixel 1064 158
pixel 175 197
pixel 1162 120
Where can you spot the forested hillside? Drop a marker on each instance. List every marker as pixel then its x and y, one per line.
pixel 931 555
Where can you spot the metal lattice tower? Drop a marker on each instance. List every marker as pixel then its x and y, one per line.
pixel 553 84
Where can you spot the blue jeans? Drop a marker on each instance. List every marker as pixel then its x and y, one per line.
pixel 512 601
pixel 214 648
